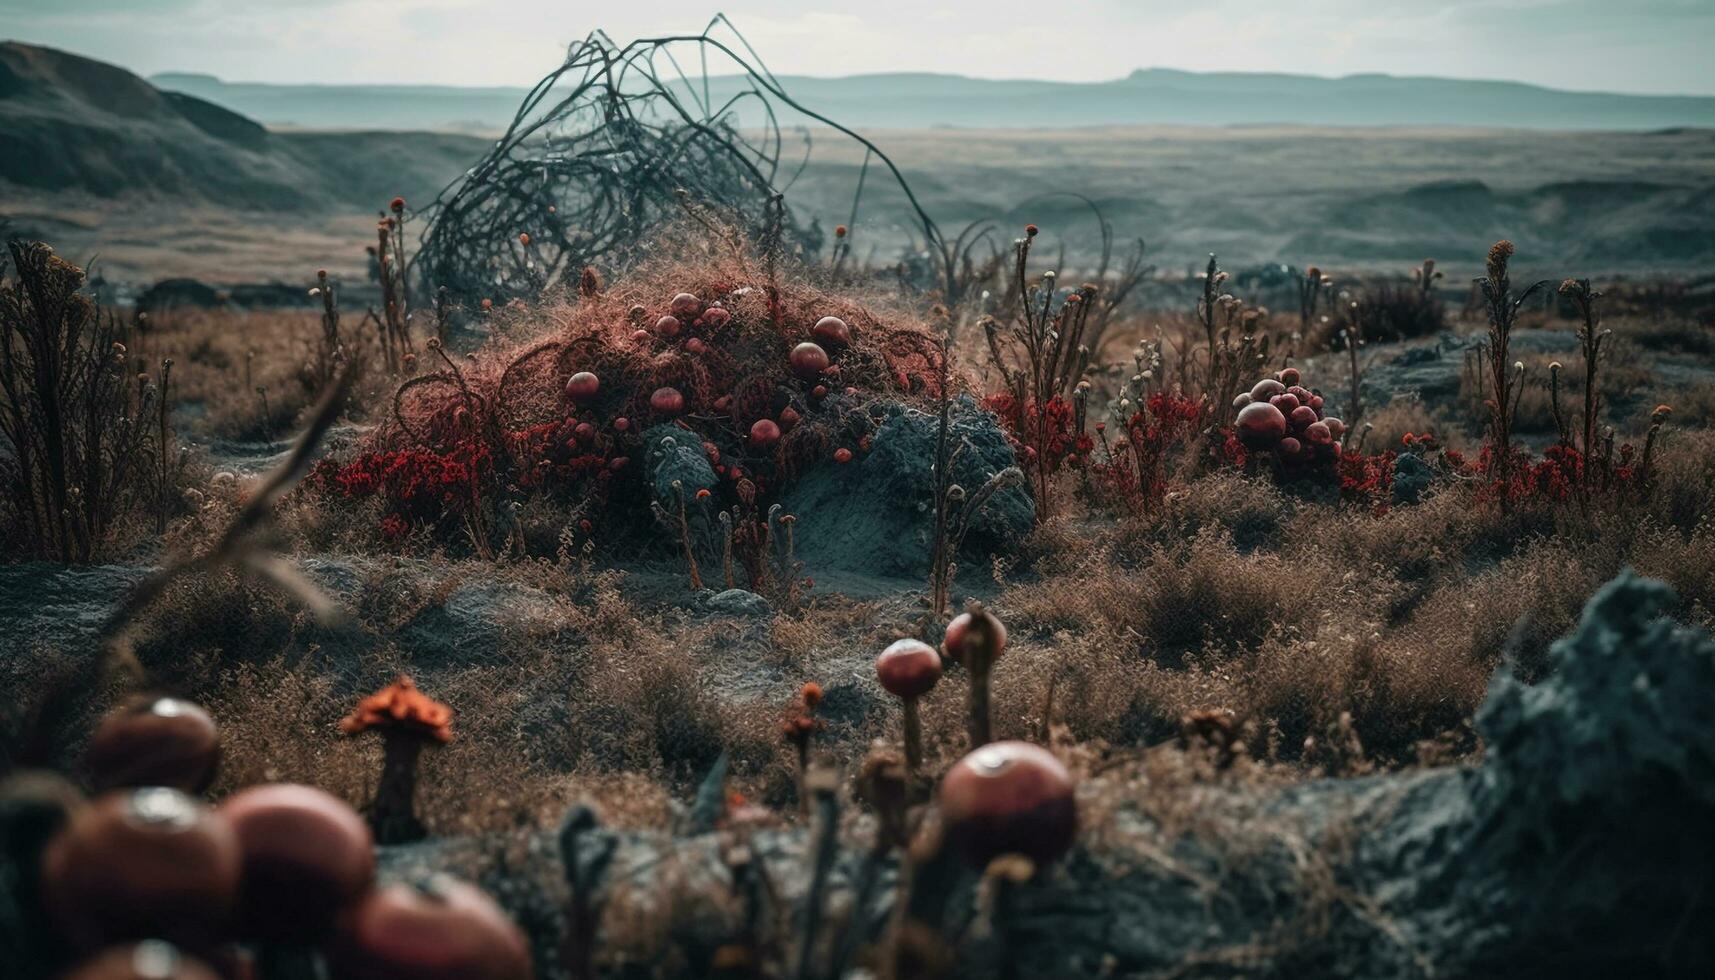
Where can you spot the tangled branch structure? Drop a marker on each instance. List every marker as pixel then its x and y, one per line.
pixel 614 142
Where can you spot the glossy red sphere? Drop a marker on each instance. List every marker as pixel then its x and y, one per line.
pixel 809 361
pixel 686 306
pixel 668 326
pixel 1318 434
pixel 582 387
pixel 908 668
pixel 1009 798
pixel 1336 427
pixel 154 742
pixel 1260 424
pixel 1286 402
pixel 446 930
pixel 764 433
pixel 842 455
pixel 306 856
pixel 1302 416
pixel 960 633
pixel 142 864
pixel 833 331
pixel 716 317
pixel 1288 376
pixel 1267 388
pixel 667 401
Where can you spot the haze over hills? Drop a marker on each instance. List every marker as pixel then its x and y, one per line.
pixel 70 124
pixel 163 182
pixel 920 100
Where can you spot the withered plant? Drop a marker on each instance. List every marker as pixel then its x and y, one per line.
pixel 85 447
pixel 1039 352
pixel 1505 375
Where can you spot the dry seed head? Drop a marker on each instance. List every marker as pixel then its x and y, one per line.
pixel 1499 254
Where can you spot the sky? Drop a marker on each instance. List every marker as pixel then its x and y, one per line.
pixel 1643 46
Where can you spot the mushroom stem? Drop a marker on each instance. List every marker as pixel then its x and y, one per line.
pixel 394 816
pixel 913 736
pixel 979 727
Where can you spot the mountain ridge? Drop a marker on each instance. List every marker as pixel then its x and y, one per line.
pixel 923 100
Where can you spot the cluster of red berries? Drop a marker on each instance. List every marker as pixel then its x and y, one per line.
pixel 1281 415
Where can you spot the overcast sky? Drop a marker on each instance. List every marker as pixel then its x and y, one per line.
pixel 1660 46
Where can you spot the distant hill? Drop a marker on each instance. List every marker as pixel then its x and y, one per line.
pixel 69 124
pixel 921 100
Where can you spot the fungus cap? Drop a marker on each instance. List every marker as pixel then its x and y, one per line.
pixel 154 742
pixel 967 631
pixel 306 855
pixel 444 929
pixel 809 361
pixel 1260 424
pixel 140 864
pixel 400 705
pixel 1009 798
pixel 908 668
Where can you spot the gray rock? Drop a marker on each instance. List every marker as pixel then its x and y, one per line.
pixel 875 514
pixel 739 603
pixel 1411 477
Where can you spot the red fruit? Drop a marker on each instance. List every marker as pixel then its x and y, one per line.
pixel 621 424
pixel 154 742
pixel 716 317
pixel 1267 388
pixel 1285 402
pixel 1302 416
pixel 668 326
pixel 584 433
pixel 695 346
pixel 1300 393
pixel 147 863
pixel 960 638
pixel 1316 402
pixel 581 387
pixel 1009 798
pixel 686 306
pixel 1240 400
pixel 789 417
pixel 908 668
pixel 832 330
pixel 147 960
pixel 640 336
pixel 1318 434
pixel 1288 376
pixel 820 391
pixel 446 930
pixel 1260 424
pixel 809 361
pixel 306 856
pixel 1336 427
pixel 842 455
pixel 1289 448
pixel 764 433
pixel 667 401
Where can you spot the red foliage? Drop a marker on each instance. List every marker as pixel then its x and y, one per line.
pixel 1366 478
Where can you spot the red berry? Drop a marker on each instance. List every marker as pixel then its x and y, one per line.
pixel 809 361
pixel 686 306
pixel 1288 376
pixel 581 387
pixel 764 433
pixel 1267 388
pixel 1009 798
pixel 667 401
pixel 1260 424
pixel 833 331
pixel 908 668
pixel 668 326
pixel 716 317
pixel 842 455
pixel 1302 416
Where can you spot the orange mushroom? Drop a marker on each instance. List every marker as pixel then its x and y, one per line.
pixel 408 720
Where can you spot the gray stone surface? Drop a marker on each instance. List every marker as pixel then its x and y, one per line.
pixel 875 515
